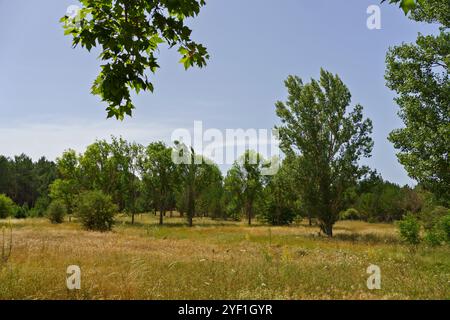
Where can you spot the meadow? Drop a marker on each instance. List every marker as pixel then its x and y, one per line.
pixel 218 260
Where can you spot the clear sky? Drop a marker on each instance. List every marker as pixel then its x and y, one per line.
pixel 46 105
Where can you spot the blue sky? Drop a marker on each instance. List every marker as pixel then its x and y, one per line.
pixel 46 105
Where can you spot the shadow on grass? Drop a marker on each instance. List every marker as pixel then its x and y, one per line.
pixel 138 224
pixel 367 238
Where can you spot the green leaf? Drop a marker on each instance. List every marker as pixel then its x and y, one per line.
pixel 408 5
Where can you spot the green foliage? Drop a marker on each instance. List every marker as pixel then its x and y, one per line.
pixel 328 140
pixel 430 217
pixel 23 180
pixel 233 194
pixel 129 36
pixel 406 5
pixel 56 211
pixel 65 190
pixel 350 214
pixel 125 158
pixel 280 197
pixel 96 211
pixel 437 226
pixel 40 207
pixel 198 179
pixel 244 183
pixel 277 214
pixel 386 202
pixel 431 11
pixel 21 212
pixel 210 199
pixel 6 206
pixel 445 226
pixel 113 168
pixel 418 73
pixel 159 175
pixel 409 229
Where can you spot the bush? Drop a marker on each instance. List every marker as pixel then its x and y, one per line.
pixel 233 211
pixel 410 229
pixel 96 211
pixel 434 237
pixel 431 217
pixel 56 211
pixel 7 207
pixel 40 207
pixel 21 212
pixel 445 226
pixel 350 214
pixel 277 215
pixel 437 225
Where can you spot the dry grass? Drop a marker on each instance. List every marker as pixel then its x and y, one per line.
pixel 219 261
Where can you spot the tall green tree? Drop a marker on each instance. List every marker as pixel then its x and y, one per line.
pixel 233 197
pixel 98 170
pixel 195 174
pixel 125 157
pixel 159 174
pixel 210 199
pixel 280 196
pixel 246 176
pixel 65 191
pixel 329 138
pixel 23 187
pixel 5 175
pixel 129 34
pixel 68 186
pixel 418 73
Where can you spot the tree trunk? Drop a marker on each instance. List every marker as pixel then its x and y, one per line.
pixel 191 208
pixel 327 228
pixel 161 215
pixel 132 218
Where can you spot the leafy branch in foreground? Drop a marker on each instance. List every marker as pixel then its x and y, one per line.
pixel 129 33
pixel 406 5
pixel 418 73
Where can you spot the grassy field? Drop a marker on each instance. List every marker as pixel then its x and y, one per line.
pixel 218 261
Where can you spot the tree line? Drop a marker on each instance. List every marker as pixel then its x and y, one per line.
pixel 320 177
pixel 323 139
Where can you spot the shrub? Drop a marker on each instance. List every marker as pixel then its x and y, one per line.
pixel 437 225
pixel 410 229
pixel 233 211
pixel 350 214
pixel 445 226
pixel 21 212
pixel 434 237
pixel 40 207
pixel 6 207
pixel 56 211
pixel 277 215
pixel 431 217
pixel 96 211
